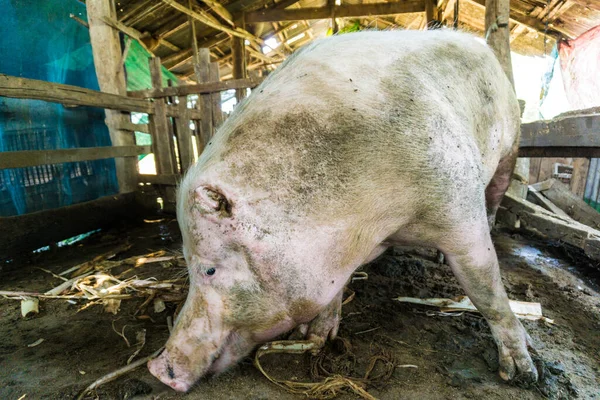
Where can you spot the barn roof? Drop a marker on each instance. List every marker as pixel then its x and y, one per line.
pixel 164 28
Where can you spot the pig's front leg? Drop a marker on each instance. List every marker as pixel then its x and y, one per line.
pixel 324 326
pixel 475 265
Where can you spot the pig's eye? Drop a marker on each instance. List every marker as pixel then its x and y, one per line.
pixel 210 271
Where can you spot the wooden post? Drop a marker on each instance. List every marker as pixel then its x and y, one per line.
pixel 202 61
pixel 238 51
pixel 217 114
pixel 106 49
pixel 456 14
pixel 497 14
pixel 334 26
pixel 183 134
pixel 158 124
pixel 498 33
pixel 431 14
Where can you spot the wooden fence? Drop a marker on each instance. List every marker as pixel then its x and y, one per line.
pixel 173 125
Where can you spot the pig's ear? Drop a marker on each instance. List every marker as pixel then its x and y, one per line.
pixel 211 201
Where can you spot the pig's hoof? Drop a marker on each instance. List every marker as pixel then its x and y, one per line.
pixel 515 361
pixel 323 327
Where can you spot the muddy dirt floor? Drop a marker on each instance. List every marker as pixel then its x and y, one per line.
pixel 454 356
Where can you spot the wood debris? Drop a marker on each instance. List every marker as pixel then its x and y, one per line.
pixel 93 282
pixel 522 309
pixel 36 343
pixel 29 306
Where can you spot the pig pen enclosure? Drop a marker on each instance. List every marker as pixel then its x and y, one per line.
pixel 104 109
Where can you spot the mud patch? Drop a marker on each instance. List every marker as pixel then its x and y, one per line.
pixel 456 357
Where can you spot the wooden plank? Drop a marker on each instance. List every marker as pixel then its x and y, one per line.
pixel 24 233
pixel 341 11
pixel 204 100
pixel 559 151
pixel 220 10
pixel 431 14
pixel 199 88
pixel 591 4
pixel 165 179
pixel 581 167
pixel 173 111
pixel 540 221
pixel 497 33
pixel 184 135
pixel 559 194
pixel 530 22
pixel 239 65
pixel 544 202
pixel 212 22
pixel 129 126
pixel 217 114
pixel 108 63
pixel 569 131
pixel 22 88
pixel 158 123
pixel 31 158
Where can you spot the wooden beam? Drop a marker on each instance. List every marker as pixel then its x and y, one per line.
pixel 163 179
pixel 32 158
pixel 217 114
pixel 140 15
pixel 575 131
pixel 536 219
pixel 135 10
pixel 573 135
pixel 530 22
pixel 22 88
pixel 342 11
pixel 212 22
pixel 130 126
pixel 497 33
pixel 199 88
pixel 220 10
pixel 183 134
pixel 204 100
pixel 431 14
pixel 24 233
pixel 239 65
pixel 448 10
pixel 158 123
pixel 170 28
pixel 144 39
pixel 107 52
pixel 591 4
pixel 559 151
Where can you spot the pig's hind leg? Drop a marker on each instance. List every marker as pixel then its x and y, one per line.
pixel 472 257
pixel 498 185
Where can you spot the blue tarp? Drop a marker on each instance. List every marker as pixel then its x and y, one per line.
pixel 38 40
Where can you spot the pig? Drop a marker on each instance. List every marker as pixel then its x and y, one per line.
pixel 357 143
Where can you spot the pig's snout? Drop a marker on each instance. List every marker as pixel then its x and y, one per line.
pixel 163 369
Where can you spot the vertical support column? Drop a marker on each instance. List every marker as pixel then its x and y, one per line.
pixel 497 13
pixel 334 26
pixel 456 14
pixel 217 114
pixel 202 68
pixel 183 134
pixel 159 125
pixel 238 52
pixel 106 49
pixel 497 33
pixel 431 14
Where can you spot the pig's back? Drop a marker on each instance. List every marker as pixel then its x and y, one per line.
pixel 439 84
pixel 373 112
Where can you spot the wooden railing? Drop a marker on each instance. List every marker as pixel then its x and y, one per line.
pixel 168 113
